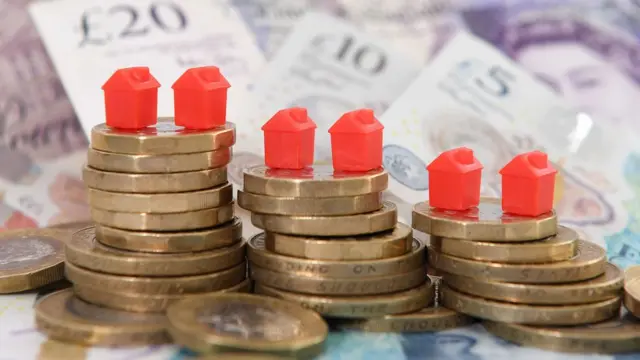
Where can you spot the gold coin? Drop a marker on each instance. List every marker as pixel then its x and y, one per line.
pixel 157 285
pixel 154 164
pixel 191 220
pixel 310 284
pixel 31 258
pixel 262 258
pixel 242 356
pixel 605 286
pixel 85 251
pixel 162 138
pixel 223 235
pixel 382 245
pixel 484 223
pixel 619 335
pixel 348 225
pixel 153 183
pixel 632 272
pixel 142 302
pixel 589 262
pixel 529 314
pixel 210 323
pixel 358 306
pixel 314 182
pixel 425 320
pixel 329 206
pixel 71 227
pixel 64 317
pixel 562 246
pixel 632 295
pixel 162 203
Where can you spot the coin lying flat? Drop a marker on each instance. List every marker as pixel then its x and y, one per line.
pixel 619 335
pixel 529 314
pixel 211 323
pixel 259 256
pixel 153 183
pixel 154 164
pixel 71 227
pixel 85 251
pixel 165 137
pixel 157 285
pixel 348 225
pixel 589 262
pixel 62 316
pixel 358 306
pixel 31 258
pixel 562 246
pixel 632 272
pixel 212 238
pixel 308 284
pixel 632 295
pixel 317 181
pixel 605 286
pixel 425 320
pixel 191 220
pixel 161 203
pixel 383 245
pixel 243 356
pixel 329 206
pixel 142 302
pixel 483 223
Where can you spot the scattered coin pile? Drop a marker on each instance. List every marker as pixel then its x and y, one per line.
pixel 164 230
pixel 332 244
pixel 524 275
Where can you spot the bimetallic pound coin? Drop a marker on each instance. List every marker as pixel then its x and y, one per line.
pixel 153 183
pixel 356 307
pixel 382 245
pixel 329 206
pixel 212 238
pixel 632 295
pixel 606 286
pixel 156 164
pixel 348 225
pixel 318 181
pixel 31 258
pixel 425 320
pixel 161 203
pixel 143 302
pixel 318 285
pixel 589 262
pixel 486 222
pixel 165 138
pixel 218 322
pixel 618 335
pixel 64 317
pixel 85 251
pixel 259 256
pixel 529 314
pixel 191 220
pixel 562 246
pixel 157 285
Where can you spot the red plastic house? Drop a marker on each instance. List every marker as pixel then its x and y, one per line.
pixel 289 139
pixel 454 180
pixel 131 98
pixel 356 141
pixel 528 183
pixel 200 98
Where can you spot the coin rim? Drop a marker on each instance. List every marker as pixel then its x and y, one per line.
pixel 452 320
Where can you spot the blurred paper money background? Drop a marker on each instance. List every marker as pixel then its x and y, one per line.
pixel 582 55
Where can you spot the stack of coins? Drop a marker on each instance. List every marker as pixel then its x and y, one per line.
pixel 332 244
pixel 512 269
pixel 164 227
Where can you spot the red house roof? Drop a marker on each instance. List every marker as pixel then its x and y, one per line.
pixel 533 164
pixel 133 78
pixel 459 160
pixel 356 122
pixel 290 120
pixel 201 78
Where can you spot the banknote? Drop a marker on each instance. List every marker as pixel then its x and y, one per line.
pixel 89 40
pixel 36 117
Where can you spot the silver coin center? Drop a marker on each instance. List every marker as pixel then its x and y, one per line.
pixel 21 252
